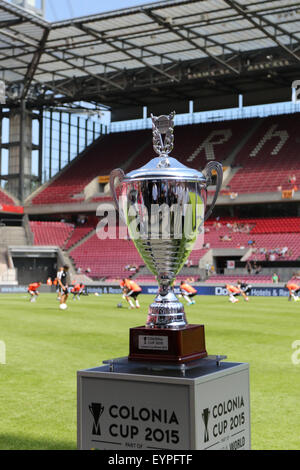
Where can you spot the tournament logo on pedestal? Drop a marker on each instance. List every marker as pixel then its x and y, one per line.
pixel 96 410
pixel 205 417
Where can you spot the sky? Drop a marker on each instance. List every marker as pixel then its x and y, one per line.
pixel 57 10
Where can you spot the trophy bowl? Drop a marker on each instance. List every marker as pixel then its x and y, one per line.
pixel 164 207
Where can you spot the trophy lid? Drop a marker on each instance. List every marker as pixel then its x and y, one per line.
pixel 165 167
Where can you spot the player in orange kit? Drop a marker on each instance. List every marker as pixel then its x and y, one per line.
pixel 76 291
pixel 33 290
pixel 187 292
pixel 233 292
pixel 293 289
pixel 131 290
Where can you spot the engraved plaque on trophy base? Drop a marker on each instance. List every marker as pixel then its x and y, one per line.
pixel 167 345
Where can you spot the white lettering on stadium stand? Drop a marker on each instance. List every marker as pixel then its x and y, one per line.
pixel 269 135
pixel 223 135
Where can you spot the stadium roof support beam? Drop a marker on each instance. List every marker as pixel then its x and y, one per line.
pixel 76 57
pixel 9 23
pixel 22 150
pixel 257 21
pixel 94 33
pixel 162 22
pixel 84 70
pixel 34 64
pixel 97 35
pixel 40 49
pixel 31 44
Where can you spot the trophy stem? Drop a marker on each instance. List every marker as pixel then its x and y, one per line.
pixel 166 311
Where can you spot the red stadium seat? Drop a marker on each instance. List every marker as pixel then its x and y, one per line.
pixel 105 258
pixel 5 199
pixel 51 233
pixel 78 234
pixel 270 157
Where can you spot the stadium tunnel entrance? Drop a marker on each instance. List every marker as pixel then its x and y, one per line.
pixel 34 265
pixel 221 262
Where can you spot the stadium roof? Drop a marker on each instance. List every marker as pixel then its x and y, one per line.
pixel 168 50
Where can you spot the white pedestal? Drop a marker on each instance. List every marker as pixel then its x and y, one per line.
pixel 145 407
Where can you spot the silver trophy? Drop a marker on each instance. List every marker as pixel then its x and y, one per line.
pixel 164 207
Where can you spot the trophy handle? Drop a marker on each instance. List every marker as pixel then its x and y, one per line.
pixel 114 174
pixel 208 174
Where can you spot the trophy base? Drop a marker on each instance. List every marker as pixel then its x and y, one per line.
pixel 166 345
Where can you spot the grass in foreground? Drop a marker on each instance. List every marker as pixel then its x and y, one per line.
pixel 45 347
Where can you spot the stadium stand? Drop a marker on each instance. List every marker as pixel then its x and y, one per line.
pixel 195 145
pixel 265 162
pixel 263 239
pixel 6 199
pixel 277 225
pixel 100 159
pixel 106 264
pixel 108 258
pixel 278 237
pixel 77 235
pixel 276 247
pixel 195 256
pixel 105 258
pixel 51 233
pixel 270 158
pixel 295 279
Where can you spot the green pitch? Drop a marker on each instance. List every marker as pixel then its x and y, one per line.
pixel 45 347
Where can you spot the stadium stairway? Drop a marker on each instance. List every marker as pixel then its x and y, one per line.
pixel 69 246
pixel 3 263
pixel 13 236
pixel 83 279
pixel 8 275
pixel 64 259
